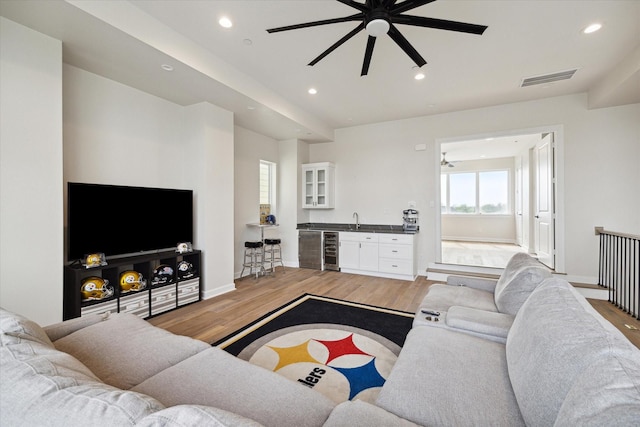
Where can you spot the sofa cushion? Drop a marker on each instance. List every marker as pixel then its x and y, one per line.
pixel 16 329
pixel 125 350
pixel 357 413
pixel 43 386
pixel 521 276
pixel 445 377
pixel 486 324
pixel 606 393
pixel 195 415
pixel 555 351
pixel 440 297
pixel 62 329
pixel 216 378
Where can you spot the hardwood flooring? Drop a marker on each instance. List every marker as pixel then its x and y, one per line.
pixel 213 319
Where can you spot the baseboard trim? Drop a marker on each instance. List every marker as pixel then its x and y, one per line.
pixel 219 291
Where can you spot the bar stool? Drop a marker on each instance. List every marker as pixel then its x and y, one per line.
pixel 273 254
pixel 253 258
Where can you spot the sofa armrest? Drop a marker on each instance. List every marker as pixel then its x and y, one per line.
pixel 483 284
pixel 62 329
pixel 479 321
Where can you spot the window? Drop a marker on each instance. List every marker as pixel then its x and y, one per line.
pixel 268 184
pixel 481 192
pixel 493 195
pixel 462 193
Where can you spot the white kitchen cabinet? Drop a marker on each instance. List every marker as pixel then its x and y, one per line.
pixel 369 252
pixel 318 185
pixel 358 251
pixel 349 253
pixel 397 254
pixel 378 254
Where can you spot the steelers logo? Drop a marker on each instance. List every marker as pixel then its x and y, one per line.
pixel 341 364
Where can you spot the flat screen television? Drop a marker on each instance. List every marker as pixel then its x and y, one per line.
pixel 122 220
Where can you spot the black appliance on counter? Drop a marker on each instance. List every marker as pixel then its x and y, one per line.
pixel 410 220
pixel 331 245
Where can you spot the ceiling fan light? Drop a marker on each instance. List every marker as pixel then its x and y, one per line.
pixel 377 27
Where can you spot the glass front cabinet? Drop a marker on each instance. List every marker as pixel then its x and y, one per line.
pixel 318 185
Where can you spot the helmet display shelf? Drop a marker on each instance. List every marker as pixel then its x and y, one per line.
pixel 146 285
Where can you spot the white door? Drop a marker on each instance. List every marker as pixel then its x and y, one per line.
pixel 519 201
pixel 544 198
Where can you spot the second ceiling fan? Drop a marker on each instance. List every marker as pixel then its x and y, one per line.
pixel 378 17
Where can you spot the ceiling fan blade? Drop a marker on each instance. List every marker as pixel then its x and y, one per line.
pixel 388 3
pixel 371 42
pixel 333 47
pixel 440 24
pixel 354 4
pixel 408 5
pixel 404 44
pixel 356 17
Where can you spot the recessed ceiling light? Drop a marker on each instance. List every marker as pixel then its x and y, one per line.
pixel 247 42
pixel 419 76
pixel 312 91
pixel 592 28
pixel 166 67
pixel 225 22
pixel 251 107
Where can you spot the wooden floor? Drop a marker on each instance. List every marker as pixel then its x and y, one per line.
pixel 213 319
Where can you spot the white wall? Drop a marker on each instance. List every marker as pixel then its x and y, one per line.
pixel 207 166
pixel 293 153
pixel 114 134
pixel 249 149
pixel 378 170
pixel 31 212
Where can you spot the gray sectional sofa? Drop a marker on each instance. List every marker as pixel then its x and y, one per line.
pixel 483 307
pixel 560 364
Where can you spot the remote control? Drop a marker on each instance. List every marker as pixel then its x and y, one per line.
pixel 433 313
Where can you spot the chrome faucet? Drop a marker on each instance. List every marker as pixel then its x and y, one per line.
pixel 355 215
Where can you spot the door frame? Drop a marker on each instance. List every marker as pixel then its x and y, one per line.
pixel 558 131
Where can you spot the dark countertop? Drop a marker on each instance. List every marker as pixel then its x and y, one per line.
pixel 364 228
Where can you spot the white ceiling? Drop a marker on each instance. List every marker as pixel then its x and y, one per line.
pixel 265 82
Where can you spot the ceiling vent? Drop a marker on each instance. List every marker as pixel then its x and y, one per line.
pixel 548 78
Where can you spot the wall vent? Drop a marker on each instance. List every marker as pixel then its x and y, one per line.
pixel 548 78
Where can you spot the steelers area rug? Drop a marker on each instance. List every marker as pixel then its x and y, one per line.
pixel 342 349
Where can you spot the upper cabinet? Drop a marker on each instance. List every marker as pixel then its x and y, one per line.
pixel 318 186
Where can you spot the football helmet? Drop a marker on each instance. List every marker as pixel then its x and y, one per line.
pixel 131 281
pixel 95 288
pixel 186 270
pixel 162 274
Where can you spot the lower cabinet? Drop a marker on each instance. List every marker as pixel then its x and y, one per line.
pixel 359 251
pixel 170 280
pixel 397 254
pixel 378 254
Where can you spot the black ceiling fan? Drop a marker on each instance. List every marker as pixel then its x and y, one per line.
pixel 378 17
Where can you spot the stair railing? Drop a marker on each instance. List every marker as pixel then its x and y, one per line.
pixel 619 269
